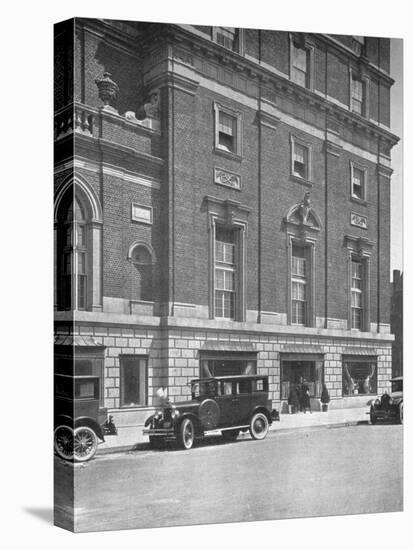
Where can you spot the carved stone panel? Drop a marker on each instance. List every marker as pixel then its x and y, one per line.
pixel 226 178
pixel 358 220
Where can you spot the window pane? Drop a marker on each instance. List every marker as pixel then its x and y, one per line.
pixel 359 378
pixel 68 235
pixel 356 299
pixel 133 381
pixel 81 265
pixel 219 279
pixel 298 266
pixel 300 160
pixel 298 312
pixel 226 124
pixel 299 58
pixel 81 235
pixel 81 291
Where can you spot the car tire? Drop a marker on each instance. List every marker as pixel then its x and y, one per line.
pixel 401 413
pixel 85 443
pixel 209 414
pixel 63 442
pixel 259 426
pixel 186 434
pixel 373 418
pixel 230 435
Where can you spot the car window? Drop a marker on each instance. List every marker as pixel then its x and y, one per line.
pixel 259 385
pixel 244 386
pixel 203 389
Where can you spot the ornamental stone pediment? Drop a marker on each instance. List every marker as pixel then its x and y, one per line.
pixel 303 216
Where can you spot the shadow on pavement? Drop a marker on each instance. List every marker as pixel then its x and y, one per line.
pixel 44 514
pixel 209 441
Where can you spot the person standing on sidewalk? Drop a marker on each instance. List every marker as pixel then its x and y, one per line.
pixel 306 397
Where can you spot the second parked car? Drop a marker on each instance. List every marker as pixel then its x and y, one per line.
pixel 232 404
pixel 389 406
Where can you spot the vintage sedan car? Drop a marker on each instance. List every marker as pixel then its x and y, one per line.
pixel 389 406
pixel 227 403
pixel 80 421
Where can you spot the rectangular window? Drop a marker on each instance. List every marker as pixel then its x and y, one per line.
pixel 227 364
pixel 300 162
pixel 227 133
pixel 225 36
pixel 357 183
pixel 225 274
pixel 357 95
pixel 298 286
pixel 300 65
pixel 359 376
pixel 300 158
pixel 133 381
pixel 227 129
pixel 357 286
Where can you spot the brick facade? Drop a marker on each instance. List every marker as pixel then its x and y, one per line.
pixel 154 146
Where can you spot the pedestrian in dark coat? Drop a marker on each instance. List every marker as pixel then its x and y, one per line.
pixel 305 397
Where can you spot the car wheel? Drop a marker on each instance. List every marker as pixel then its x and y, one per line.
pixel 186 435
pixel 373 418
pixel 230 435
pixel 259 426
pixel 63 442
pixel 209 414
pixel 401 413
pixel 85 443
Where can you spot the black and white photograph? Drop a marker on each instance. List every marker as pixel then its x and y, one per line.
pixel 226 277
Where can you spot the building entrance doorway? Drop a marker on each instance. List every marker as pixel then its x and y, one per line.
pixel 294 372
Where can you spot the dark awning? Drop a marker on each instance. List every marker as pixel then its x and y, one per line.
pixel 301 348
pixel 360 351
pixel 229 346
pixel 76 340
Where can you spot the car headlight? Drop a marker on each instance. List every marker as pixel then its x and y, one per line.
pixel 390 401
pixel 175 413
pixel 377 402
pixel 158 415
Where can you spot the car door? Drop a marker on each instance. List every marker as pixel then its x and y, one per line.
pixel 241 402
pixel 228 403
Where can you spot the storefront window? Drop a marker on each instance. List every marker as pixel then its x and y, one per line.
pixel 133 380
pixel 359 377
pixel 233 364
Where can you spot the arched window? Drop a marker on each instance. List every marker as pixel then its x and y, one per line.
pixel 142 288
pixel 78 230
pixel 75 257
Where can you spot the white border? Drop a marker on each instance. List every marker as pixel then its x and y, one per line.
pixel 26 121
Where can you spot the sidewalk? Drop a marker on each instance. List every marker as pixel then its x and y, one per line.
pixel 130 436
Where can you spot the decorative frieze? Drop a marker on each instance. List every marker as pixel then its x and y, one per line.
pixel 226 178
pixel 183 55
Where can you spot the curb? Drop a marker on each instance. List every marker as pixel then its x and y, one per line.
pixel 142 446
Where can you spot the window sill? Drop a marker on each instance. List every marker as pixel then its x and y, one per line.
pixel 302 181
pixel 228 154
pixel 362 202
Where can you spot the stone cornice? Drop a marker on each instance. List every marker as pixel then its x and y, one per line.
pixel 273 81
pixel 364 61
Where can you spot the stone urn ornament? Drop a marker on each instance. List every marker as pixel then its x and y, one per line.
pixel 108 90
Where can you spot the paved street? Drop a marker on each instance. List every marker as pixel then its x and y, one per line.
pixel 326 471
